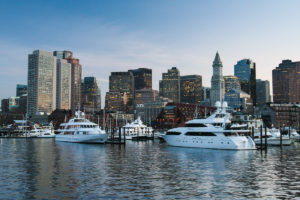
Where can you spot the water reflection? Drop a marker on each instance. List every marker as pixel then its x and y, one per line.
pixel 43 169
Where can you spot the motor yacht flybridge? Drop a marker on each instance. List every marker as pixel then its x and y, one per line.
pixel 80 130
pixel 213 132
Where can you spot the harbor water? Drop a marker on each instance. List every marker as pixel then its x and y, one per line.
pixel 45 169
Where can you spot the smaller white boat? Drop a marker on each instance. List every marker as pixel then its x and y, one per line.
pixel 273 138
pixel 137 129
pixel 80 130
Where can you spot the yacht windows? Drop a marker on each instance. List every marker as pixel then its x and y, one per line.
pixel 173 133
pixel 195 125
pixel 217 124
pixel 220 115
pixel 199 134
pixel 231 134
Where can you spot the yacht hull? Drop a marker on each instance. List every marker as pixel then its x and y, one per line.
pixel 96 138
pixel 230 143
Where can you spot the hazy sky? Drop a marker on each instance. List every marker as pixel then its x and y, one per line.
pixel 117 35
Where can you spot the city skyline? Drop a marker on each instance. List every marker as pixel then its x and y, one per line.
pixel 119 36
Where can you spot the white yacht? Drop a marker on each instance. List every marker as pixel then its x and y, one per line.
pixel 213 132
pixel 80 130
pixel 137 129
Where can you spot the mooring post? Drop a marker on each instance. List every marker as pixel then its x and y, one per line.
pixel 289 132
pixel 266 138
pixel 280 136
pixel 124 135
pixel 120 138
pixel 261 145
pixel 252 133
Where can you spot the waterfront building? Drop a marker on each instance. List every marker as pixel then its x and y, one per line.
pixel 176 114
pixel 286 82
pixel 145 96
pixel 123 82
pixel 245 70
pixel 114 102
pixel 148 111
pixel 280 114
pixel 21 90
pixel 191 89
pixel 41 82
pixel 238 100
pixel 63 84
pixel 91 95
pixel 142 78
pixel 169 86
pixel 231 82
pixel 205 96
pixel 262 92
pixel 217 81
pixel 5 105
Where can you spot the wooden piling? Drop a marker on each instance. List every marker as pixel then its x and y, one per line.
pixel 252 133
pixel 124 135
pixel 280 136
pixel 120 138
pixel 261 145
pixel 266 143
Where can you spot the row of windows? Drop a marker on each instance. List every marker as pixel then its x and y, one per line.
pixel 201 133
pixel 80 126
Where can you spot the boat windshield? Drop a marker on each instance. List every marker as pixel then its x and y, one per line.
pixel 231 134
pixel 195 125
pixel 173 133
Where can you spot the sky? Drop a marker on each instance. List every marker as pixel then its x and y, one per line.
pixel 117 35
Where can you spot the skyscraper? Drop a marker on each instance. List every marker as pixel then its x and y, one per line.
pixel 76 71
pixel 123 82
pixel 41 82
pixel 245 70
pixel 142 78
pixel 91 95
pixel 169 86
pixel 262 92
pixel 217 81
pixel 231 82
pixel 191 89
pixel 286 82
pixel 63 85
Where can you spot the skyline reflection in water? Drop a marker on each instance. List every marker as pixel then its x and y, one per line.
pixel 44 169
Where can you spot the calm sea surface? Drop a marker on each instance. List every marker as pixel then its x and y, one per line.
pixel 44 169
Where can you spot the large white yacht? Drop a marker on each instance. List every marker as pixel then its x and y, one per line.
pixel 137 129
pixel 213 132
pixel 80 130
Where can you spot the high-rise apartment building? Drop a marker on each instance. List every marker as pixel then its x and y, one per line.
pixel 262 92
pixel 91 95
pixel 63 84
pixel 245 70
pixel 41 82
pixel 217 81
pixel 231 82
pixel 191 89
pixel 169 86
pixel 286 82
pixel 21 90
pixel 114 102
pixel 142 78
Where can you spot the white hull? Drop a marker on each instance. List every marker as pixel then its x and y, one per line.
pixel 273 141
pixel 95 138
pixel 230 143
